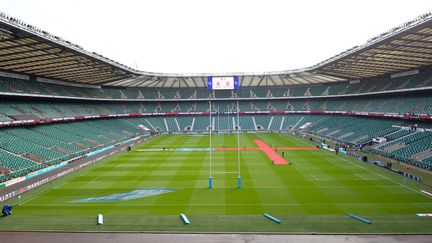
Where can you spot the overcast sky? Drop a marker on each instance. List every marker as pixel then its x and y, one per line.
pixel 197 36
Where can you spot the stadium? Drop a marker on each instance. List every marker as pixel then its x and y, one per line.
pixel 88 144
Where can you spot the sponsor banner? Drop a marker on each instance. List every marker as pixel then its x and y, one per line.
pixel 317 111
pixel 171 113
pixel 59 119
pixel 424 117
pixel 196 113
pixel 13 181
pixel 371 114
pixel 276 112
pixel 9 123
pixel 375 114
pixel 406 73
pixel 343 151
pixel 413 177
pixel 100 151
pixel 324 145
pixel 134 115
pixel 391 115
pixel 45 170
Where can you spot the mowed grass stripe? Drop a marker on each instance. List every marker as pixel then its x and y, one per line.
pixel 248 190
pixel 105 182
pixel 341 185
pixel 155 179
pixel 292 175
pixel 351 193
pixel 182 176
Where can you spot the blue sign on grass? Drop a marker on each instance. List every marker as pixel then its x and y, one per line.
pixel 126 195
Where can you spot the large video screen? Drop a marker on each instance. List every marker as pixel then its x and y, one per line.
pixel 220 83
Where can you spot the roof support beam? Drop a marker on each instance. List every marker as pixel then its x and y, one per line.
pixel 151 82
pixel 282 80
pixel 144 79
pixel 373 64
pixel 154 82
pixel 411 45
pixel 9 54
pixel 364 70
pixel 342 75
pixel 262 78
pixel 102 82
pixel 83 75
pixel 79 66
pixel 31 45
pixel 405 49
pixel 164 83
pixel 93 68
pixel 7 39
pixel 45 67
pixel 18 57
pixel 89 75
pixel 419 41
pixel 123 82
pixel 184 81
pixel 389 59
pixel 271 79
pixel 173 82
pixel 380 51
pixel 34 63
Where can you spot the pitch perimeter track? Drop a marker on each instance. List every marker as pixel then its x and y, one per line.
pixel 93 237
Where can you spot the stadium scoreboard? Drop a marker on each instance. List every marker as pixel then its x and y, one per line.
pixel 223 83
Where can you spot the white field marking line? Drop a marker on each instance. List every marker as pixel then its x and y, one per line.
pixel 67 181
pixel 315 187
pixel 427 193
pixel 284 187
pixel 316 178
pixel 373 172
pixel 242 204
pixel 97 177
pixel 36 196
pixel 300 139
pixel 224 172
pixel 361 177
pixel 55 186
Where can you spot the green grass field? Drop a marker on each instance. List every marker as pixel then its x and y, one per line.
pixel 312 194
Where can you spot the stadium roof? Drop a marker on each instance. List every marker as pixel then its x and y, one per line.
pixel 25 49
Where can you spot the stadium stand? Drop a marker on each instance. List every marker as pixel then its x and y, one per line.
pixel 19 86
pixel 25 149
pixel 53 116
